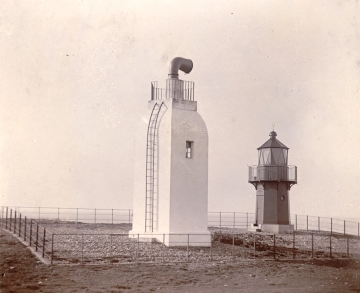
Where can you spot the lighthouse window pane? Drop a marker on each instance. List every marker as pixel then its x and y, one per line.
pixel 265 157
pixel 285 155
pixel 277 157
pixel 189 146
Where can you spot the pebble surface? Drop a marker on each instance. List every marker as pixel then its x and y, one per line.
pixel 102 243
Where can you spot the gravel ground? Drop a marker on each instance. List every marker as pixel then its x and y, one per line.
pixel 21 271
pixel 109 244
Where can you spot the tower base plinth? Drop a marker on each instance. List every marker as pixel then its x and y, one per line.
pixel 276 228
pixel 200 239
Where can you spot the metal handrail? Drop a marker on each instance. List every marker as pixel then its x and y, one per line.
pixel 186 92
pixel 273 173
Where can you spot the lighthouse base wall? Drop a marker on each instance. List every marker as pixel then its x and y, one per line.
pixel 272 204
pixel 199 239
pixel 277 229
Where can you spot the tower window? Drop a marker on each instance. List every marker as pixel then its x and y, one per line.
pixel 189 149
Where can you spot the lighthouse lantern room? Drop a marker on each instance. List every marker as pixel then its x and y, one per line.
pixel 272 179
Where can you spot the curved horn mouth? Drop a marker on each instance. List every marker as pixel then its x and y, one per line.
pixel 179 63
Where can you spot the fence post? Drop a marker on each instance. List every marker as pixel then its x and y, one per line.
pixel 254 245
pixel 163 248
pixel 43 250
pixel 82 248
pixel 312 245
pixel 330 225
pixel 274 246
pixel 344 227
pixel 14 222
pixel 30 231
pixel 25 229
pixel 137 248
pixel 6 220
pixel 52 248
pixel 187 249
pixel 232 250
pixel 307 223
pixel 20 225
pixel 295 222
pixel 330 247
pixel 10 219
pixel 37 236
pixel 318 224
pixel 220 222
pixel 211 240
pixel 293 244
pixel 111 254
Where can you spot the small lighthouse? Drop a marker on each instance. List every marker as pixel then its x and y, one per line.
pixel 171 166
pixel 272 179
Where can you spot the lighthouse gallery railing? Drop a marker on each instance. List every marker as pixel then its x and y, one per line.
pixel 273 173
pixel 185 92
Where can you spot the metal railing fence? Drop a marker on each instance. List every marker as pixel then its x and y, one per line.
pixel 332 225
pixel 233 246
pixel 230 219
pixel 215 219
pixel 28 230
pixel 75 215
pixel 227 244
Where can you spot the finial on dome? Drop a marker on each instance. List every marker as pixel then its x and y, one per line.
pixel 273 134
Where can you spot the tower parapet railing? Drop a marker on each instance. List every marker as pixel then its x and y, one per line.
pixel 175 89
pixel 273 173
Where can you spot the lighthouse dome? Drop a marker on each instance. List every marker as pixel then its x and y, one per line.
pixel 273 152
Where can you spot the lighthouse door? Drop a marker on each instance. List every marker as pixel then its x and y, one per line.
pixel 260 204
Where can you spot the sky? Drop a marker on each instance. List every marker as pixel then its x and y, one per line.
pixel 75 78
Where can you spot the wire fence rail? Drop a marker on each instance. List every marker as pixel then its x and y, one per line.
pixel 301 222
pixel 74 215
pixel 60 241
pixel 29 231
pixel 216 219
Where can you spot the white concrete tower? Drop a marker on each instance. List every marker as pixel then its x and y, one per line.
pixel 273 178
pixel 171 166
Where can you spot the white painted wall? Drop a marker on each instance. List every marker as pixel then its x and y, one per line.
pixel 189 177
pixel 183 183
